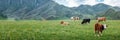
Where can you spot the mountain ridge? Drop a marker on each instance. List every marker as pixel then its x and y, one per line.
pixel 48 10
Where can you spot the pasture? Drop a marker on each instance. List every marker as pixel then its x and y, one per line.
pixel 53 30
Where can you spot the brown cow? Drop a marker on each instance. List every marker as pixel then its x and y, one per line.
pixel 99 28
pixel 64 23
pixel 101 19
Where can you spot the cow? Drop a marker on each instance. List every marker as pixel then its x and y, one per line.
pixel 64 23
pixel 74 18
pixel 85 21
pixel 77 18
pixel 101 19
pixel 99 28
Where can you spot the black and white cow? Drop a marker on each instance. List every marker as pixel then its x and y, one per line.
pixel 85 21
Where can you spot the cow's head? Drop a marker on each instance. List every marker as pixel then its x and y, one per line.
pixel 61 22
pixel 105 26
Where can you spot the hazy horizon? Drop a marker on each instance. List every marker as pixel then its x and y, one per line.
pixel 76 3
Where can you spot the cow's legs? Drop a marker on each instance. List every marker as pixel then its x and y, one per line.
pixel 97 33
pixel 82 23
pixel 100 32
pixel 88 21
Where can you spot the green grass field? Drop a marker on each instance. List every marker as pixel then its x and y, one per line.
pixel 52 30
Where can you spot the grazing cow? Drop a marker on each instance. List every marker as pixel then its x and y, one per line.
pixel 74 18
pixel 77 18
pixel 99 28
pixel 85 21
pixel 101 19
pixel 64 23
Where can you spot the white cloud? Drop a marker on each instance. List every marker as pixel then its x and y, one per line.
pixel 91 2
pixel 69 3
pixel 75 3
pixel 72 3
pixel 112 2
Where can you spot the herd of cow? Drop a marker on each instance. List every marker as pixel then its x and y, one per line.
pixel 98 26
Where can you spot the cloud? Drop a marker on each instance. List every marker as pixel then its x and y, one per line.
pixel 72 3
pixel 75 3
pixel 91 2
pixel 112 2
pixel 69 3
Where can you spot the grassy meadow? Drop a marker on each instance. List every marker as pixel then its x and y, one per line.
pixel 53 30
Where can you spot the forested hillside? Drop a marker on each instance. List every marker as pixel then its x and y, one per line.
pixel 112 13
pixel 48 10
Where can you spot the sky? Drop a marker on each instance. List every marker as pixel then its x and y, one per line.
pixel 76 3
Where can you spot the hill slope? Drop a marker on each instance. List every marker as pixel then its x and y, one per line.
pixel 48 10
pixel 112 13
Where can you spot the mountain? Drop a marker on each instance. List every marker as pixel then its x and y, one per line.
pixel 116 8
pixel 87 9
pixel 112 13
pixel 18 9
pixel 34 9
pixel 48 10
pixel 84 8
pixel 100 7
pixel 92 11
pixel 2 16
